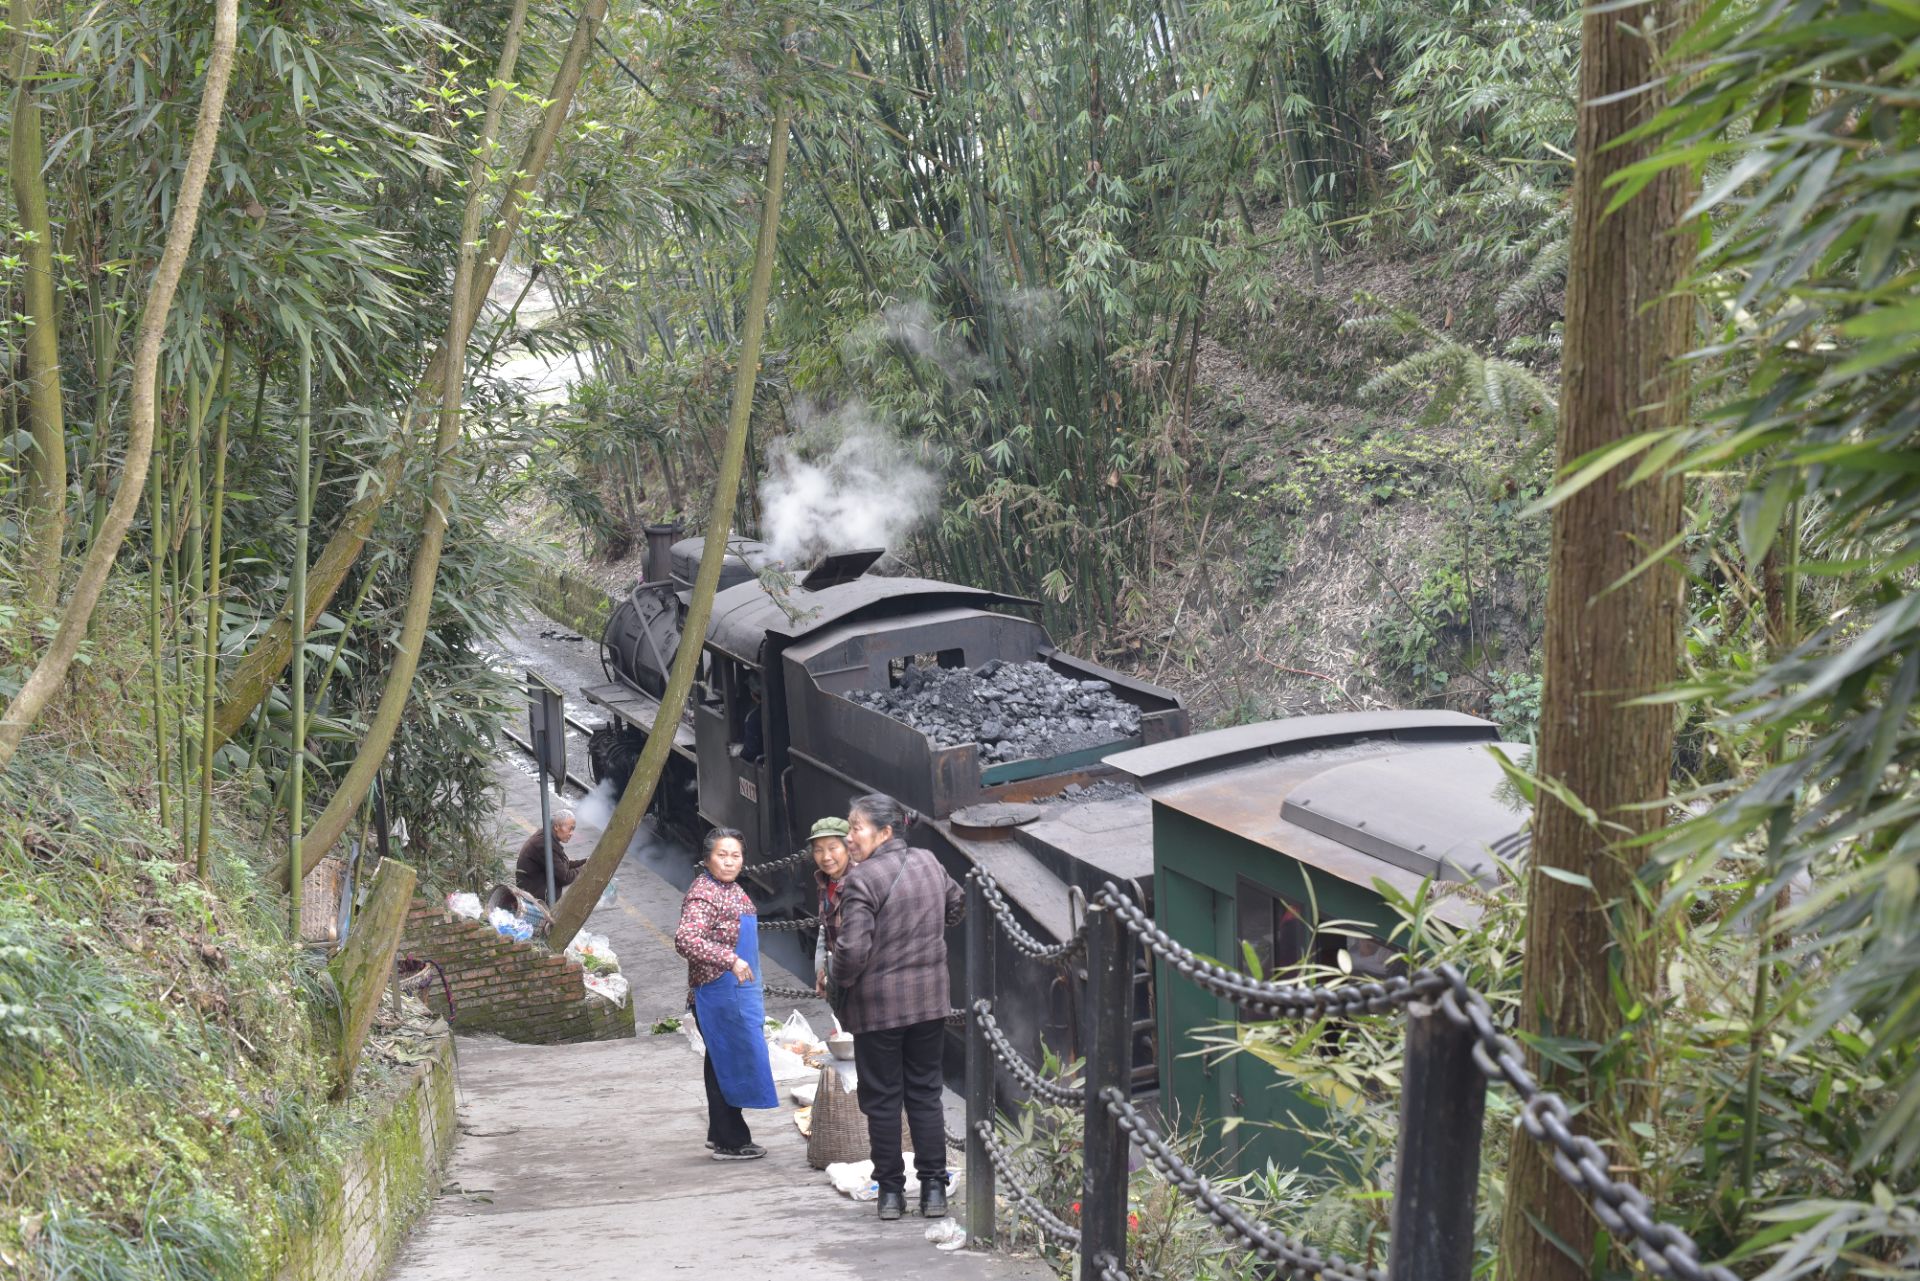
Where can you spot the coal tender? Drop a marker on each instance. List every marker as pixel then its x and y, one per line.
pixel 817 689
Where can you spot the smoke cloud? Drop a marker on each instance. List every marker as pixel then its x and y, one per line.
pixel 840 482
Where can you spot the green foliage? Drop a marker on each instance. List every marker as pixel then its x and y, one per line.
pixel 1166 1239
pixel 1823 1096
pixel 162 1076
pixel 1806 114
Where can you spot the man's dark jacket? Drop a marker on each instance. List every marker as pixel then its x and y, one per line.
pixel 530 869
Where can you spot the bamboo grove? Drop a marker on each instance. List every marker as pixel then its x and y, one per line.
pixel 263 267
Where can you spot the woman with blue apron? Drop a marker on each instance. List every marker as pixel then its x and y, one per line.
pixel 719 935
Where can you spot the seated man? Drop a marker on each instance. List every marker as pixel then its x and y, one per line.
pixel 530 868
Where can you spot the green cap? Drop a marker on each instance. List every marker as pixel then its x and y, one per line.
pixel 828 827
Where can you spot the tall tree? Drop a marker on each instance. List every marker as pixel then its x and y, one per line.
pixel 47 461
pixel 1612 634
pixel 577 903
pixel 51 670
pixel 462 311
pixel 256 672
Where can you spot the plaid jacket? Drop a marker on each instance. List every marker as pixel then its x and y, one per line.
pixel 893 960
pixel 710 928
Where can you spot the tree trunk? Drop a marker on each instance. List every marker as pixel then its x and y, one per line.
pixel 51 670
pixel 262 665
pixel 1607 640
pixel 46 480
pixel 333 820
pixel 577 903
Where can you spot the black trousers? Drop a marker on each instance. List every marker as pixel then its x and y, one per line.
pixel 902 1065
pixel 726 1124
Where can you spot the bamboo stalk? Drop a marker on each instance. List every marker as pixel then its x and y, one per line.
pixel 571 912
pixel 156 570
pixel 464 306
pixel 51 670
pixel 210 642
pixel 297 590
pixel 46 473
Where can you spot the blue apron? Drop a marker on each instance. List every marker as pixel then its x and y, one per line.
pixel 733 1022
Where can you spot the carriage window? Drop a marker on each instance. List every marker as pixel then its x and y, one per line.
pixel 1283 938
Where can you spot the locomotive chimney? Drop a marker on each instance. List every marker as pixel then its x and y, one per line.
pixel 660 552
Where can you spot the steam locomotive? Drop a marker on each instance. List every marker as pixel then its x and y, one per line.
pixel 772 740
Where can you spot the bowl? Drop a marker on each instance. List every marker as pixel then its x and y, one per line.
pixel 840 1046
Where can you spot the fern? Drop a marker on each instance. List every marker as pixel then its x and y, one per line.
pixel 1451 372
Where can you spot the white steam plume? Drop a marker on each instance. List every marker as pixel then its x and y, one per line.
pixel 840 482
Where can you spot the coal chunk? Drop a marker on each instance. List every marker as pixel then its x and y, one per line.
pixel 1012 711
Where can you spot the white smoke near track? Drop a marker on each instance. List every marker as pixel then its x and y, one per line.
pixel 596 807
pixel 842 481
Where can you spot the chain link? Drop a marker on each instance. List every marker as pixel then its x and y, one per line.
pixel 1016 1063
pixel 796 924
pixel 1016 933
pixel 1111 1271
pixel 781 864
pixel 1292 1256
pixel 790 993
pixel 1623 1209
pixel 1002 1162
pixel 1280 1000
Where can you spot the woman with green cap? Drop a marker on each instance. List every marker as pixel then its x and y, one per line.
pixel 828 841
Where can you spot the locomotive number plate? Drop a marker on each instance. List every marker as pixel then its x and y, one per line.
pixel 749 790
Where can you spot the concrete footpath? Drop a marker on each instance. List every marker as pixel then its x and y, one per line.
pixel 587 1162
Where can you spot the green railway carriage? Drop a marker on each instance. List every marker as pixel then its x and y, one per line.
pixel 1276 837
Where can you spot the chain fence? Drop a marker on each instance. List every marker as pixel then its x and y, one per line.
pixel 1023 1072
pixel 1289 1254
pixel 1016 933
pixel 1049 1223
pixel 1663 1249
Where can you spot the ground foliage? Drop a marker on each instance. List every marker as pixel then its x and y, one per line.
pixel 163 1050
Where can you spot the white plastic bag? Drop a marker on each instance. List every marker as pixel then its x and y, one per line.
pixel 510 925
pixel 804 1095
pixel 947 1234
pixel 796 1031
pixel 465 904
pixel 788 1066
pixel 612 986
pixel 855 1178
pixel 593 953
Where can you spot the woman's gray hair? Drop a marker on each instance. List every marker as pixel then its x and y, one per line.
pixel 881 810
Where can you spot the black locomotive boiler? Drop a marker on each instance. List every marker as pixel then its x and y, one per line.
pixel 790 720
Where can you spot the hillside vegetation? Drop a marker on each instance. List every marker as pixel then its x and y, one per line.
pixel 164 1069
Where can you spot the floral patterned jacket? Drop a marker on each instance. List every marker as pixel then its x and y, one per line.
pixel 710 928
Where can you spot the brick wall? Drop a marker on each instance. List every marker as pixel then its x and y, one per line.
pixel 381 1188
pixel 516 990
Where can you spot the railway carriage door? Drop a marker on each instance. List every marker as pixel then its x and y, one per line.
pixel 731 729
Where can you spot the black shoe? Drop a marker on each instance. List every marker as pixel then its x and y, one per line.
pixel 933 1200
pixel 892 1204
pixel 745 1152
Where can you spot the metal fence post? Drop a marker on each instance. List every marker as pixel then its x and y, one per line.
pixel 1109 1034
pixel 980 1072
pixel 1443 1100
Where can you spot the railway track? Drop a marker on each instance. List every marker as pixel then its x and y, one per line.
pixel 575 724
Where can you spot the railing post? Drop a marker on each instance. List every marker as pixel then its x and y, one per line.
pixel 1443 1100
pixel 979 1066
pixel 1108 1022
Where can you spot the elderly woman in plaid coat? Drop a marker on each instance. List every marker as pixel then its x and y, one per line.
pixel 890 957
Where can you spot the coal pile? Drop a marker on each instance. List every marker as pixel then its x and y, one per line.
pixel 1014 711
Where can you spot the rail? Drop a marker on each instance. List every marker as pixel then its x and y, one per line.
pixel 1454 1050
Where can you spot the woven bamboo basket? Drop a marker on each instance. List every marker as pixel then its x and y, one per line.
pixel 320 901
pixel 839 1127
